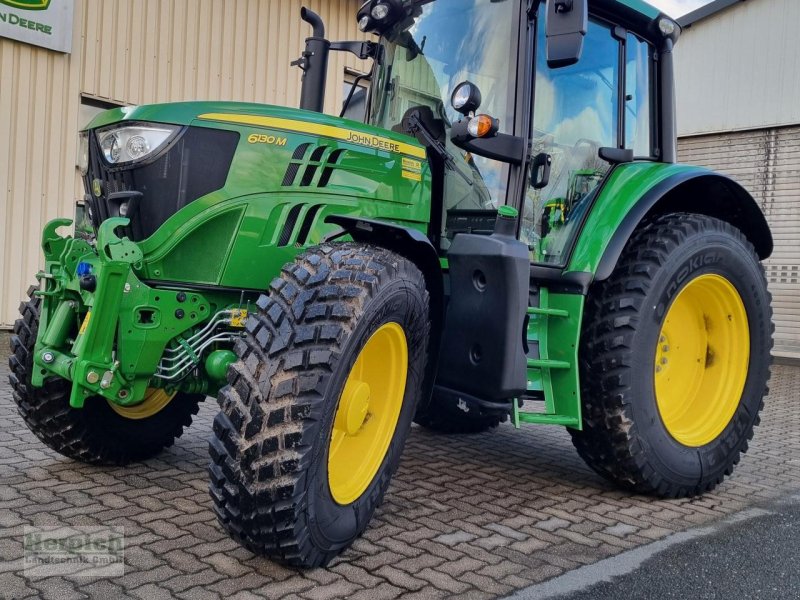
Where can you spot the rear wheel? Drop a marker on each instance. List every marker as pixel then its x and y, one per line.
pixel 100 432
pixel 319 405
pixel 675 358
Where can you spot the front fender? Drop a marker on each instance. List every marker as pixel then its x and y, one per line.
pixel 637 190
pixel 415 246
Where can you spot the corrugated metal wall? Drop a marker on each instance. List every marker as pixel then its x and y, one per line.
pixel 739 69
pixel 767 163
pixel 136 52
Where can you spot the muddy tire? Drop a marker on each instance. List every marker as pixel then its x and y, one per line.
pixel 334 356
pixel 675 358
pixel 94 434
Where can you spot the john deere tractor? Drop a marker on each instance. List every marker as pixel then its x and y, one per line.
pixel 333 280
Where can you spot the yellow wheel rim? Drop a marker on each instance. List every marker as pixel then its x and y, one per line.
pixel 366 417
pixel 154 401
pixel 701 360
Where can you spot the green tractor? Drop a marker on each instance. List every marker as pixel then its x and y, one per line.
pixel 332 281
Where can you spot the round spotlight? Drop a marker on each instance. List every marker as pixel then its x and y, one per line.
pixel 667 27
pixel 363 23
pixel 466 98
pixel 380 12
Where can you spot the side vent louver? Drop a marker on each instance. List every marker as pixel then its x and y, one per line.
pixel 309 167
pixel 308 223
pixel 288 227
pixel 294 166
pixel 333 160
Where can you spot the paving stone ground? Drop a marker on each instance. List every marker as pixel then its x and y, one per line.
pixel 466 516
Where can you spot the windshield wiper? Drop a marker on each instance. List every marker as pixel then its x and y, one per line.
pixel 413 123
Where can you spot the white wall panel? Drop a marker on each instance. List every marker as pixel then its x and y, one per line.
pixel 739 69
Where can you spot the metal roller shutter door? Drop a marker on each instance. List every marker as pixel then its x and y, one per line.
pixel 767 163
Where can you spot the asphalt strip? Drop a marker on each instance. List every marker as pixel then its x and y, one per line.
pixel 627 562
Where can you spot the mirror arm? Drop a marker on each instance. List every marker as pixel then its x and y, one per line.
pixel 503 147
pixel 362 50
pixel 616 156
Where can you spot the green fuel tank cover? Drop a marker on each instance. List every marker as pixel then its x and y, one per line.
pixel 508 211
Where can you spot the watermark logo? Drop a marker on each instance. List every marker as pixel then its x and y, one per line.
pixel 27 4
pixel 84 551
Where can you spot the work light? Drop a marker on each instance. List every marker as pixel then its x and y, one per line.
pixel 131 143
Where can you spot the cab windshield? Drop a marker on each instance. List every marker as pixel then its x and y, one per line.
pixel 425 58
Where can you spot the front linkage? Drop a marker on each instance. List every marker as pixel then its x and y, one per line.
pixel 89 294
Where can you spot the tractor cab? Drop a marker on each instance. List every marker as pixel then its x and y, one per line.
pixel 515 105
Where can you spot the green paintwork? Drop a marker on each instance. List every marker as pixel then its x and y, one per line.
pixel 218 362
pixel 554 327
pixel 624 188
pixel 27 4
pixel 508 211
pixel 649 11
pixel 236 230
pixel 241 233
pixel 115 351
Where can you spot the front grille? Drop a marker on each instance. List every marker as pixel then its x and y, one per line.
pixel 194 165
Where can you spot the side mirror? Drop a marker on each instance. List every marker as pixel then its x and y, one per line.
pixel 566 26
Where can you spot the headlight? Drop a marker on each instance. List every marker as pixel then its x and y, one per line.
pixel 130 143
pixel 83 153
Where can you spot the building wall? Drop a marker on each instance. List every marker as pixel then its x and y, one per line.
pixel 739 113
pixel 136 52
pixel 739 69
pixel 766 162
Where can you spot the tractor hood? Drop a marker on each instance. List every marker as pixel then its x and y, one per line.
pixel 230 180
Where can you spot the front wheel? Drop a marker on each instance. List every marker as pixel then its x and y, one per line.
pixel 100 432
pixel 675 358
pixel 319 405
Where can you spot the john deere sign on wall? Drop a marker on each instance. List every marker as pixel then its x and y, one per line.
pixel 46 23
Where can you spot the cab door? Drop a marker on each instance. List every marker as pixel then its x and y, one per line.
pixel 601 101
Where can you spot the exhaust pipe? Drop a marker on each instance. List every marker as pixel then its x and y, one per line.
pixel 314 63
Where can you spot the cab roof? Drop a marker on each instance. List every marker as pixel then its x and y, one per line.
pixel 636 15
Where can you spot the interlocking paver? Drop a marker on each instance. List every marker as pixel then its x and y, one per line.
pixel 466 516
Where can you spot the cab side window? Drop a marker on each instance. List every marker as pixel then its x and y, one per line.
pixel 576 112
pixel 638 93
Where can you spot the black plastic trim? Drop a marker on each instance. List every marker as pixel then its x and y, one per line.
pixel 163 284
pixel 415 246
pixel 558 281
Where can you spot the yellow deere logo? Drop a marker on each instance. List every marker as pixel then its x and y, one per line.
pixel 27 4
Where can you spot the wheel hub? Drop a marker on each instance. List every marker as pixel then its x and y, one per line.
pixel 367 414
pixel 354 407
pixel 701 360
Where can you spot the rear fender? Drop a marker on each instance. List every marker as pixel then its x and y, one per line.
pixel 640 190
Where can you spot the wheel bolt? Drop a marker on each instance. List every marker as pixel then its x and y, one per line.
pixel 662 339
pixel 658 369
pixel 665 348
pixel 663 361
pixel 48 357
